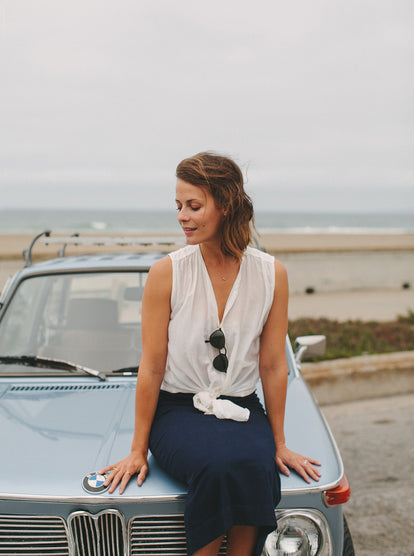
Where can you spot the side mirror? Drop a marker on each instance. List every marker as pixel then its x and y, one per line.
pixel 309 346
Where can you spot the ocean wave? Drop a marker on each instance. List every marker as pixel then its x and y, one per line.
pixel 335 230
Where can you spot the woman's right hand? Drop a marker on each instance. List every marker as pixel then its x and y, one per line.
pixel 121 472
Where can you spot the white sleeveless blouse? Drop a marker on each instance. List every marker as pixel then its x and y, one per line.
pixel 194 316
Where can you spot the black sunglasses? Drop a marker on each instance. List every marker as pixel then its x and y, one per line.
pixel 217 340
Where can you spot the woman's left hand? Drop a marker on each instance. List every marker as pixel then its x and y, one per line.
pixel 304 466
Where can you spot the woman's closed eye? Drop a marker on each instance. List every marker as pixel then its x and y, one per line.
pixel 191 208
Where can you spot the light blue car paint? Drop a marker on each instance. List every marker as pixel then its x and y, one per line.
pixel 56 429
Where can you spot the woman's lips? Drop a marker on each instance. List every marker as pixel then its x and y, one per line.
pixel 189 231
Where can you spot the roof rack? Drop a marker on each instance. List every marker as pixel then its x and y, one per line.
pixel 101 241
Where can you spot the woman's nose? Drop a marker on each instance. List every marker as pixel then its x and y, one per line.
pixel 183 215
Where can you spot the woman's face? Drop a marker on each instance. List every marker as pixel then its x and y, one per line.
pixel 198 215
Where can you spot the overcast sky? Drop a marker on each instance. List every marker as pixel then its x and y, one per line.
pixel 100 99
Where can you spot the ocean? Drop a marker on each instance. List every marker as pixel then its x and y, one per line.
pixel 135 221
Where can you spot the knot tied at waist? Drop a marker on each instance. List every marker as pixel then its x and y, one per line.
pixel 209 404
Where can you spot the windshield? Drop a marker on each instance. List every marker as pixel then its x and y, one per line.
pixel 90 319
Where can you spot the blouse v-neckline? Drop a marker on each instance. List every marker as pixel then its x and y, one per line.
pixel 233 292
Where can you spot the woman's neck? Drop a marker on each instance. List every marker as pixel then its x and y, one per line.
pixel 212 253
pixel 214 258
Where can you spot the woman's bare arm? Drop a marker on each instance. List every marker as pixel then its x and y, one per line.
pixel 274 374
pixel 155 318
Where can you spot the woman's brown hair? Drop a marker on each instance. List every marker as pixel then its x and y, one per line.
pixel 223 179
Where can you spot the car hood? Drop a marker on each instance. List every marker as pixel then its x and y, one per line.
pixel 55 432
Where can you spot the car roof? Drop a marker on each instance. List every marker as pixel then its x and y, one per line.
pixel 137 253
pixel 95 262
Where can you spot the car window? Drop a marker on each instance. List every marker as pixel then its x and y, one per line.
pixel 16 326
pixel 92 319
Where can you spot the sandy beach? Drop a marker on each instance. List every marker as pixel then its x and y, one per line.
pixel 352 276
pixel 12 245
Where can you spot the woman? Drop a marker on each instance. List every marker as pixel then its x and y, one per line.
pixel 214 319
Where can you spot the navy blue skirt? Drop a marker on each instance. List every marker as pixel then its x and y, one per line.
pixel 228 466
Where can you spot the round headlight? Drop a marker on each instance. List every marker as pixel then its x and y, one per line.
pixel 290 540
pixel 296 535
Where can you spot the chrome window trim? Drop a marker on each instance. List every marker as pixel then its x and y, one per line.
pixel 16 280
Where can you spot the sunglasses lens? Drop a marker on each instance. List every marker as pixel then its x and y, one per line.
pixel 220 363
pixel 217 339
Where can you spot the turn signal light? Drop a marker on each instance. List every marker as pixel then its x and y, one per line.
pixel 338 495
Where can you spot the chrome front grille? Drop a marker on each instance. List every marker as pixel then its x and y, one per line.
pixel 98 535
pixel 103 534
pixel 159 536
pixel 33 536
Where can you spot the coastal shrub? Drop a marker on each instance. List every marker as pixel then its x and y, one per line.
pixel 355 337
pixel 408 318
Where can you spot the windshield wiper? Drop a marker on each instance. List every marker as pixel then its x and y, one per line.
pixel 126 370
pixel 49 363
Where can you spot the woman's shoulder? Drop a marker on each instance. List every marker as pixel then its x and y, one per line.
pixel 257 254
pixel 159 282
pixel 273 271
pixel 183 252
pixel 161 269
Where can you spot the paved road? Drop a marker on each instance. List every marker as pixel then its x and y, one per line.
pixel 376 439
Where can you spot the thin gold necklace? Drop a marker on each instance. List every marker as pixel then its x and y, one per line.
pixel 225 278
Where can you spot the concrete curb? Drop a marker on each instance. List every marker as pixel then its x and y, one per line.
pixel 359 378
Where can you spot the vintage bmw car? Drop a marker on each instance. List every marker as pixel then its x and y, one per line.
pixel 69 355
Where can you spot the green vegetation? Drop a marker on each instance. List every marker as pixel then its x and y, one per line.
pixel 350 338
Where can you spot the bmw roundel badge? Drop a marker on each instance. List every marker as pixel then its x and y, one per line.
pixel 94 483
